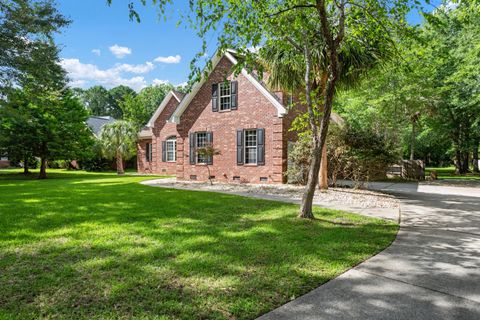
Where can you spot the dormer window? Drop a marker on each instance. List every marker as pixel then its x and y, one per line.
pixel 224 96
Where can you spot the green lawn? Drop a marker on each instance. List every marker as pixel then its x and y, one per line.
pixel 449 173
pixel 98 246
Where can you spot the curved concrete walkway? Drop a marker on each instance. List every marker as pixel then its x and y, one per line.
pixel 431 271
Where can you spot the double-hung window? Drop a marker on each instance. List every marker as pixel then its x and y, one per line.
pixel 201 143
pixel 225 96
pixel 250 146
pixel 171 147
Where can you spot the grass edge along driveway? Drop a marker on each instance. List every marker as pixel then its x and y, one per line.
pixel 98 246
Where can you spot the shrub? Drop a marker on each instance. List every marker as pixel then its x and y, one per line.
pixel 358 154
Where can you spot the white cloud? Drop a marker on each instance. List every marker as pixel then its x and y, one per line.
pixel 139 68
pixel 97 52
pixel 169 59
pixel 157 82
pixel 81 73
pixel 119 51
pixel 78 83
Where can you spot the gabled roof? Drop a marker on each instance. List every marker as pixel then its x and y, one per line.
pixel 281 110
pixel 172 94
pixel 96 123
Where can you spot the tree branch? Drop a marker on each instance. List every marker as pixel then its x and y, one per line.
pixel 300 6
pixel 294 44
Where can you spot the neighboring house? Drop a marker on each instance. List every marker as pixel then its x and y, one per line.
pixel 96 123
pixel 239 116
pixel 4 163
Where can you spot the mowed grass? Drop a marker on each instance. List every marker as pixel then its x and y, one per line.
pixel 97 246
pixel 449 173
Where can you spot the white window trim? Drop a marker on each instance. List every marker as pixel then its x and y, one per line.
pixel 172 140
pixel 196 144
pixel 245 147
pixel 221 86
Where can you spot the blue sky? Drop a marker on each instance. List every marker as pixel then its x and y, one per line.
pixel 102 46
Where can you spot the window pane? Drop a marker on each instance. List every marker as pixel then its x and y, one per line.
pixel 251 146
pixel 225 96
pixel 171 149
pixel 201 143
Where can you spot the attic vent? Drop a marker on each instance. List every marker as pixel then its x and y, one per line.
pixel 193 177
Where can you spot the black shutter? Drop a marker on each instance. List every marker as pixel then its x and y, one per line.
pixel 210 143
pixel 239 147
pixel 215 97
pixel 234 95
pixel 164 151
pixel 192 148
pixel 261 147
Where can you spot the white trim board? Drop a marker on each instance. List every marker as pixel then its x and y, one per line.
pixel 281 110
pixel 160 108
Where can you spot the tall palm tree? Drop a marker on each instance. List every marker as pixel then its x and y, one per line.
pixel 286 69
pixel 118 141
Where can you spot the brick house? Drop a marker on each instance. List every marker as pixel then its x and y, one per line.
pixel 4 163
pixel 238 115
pixel 157 141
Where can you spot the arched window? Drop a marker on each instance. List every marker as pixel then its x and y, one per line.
pixel 171 147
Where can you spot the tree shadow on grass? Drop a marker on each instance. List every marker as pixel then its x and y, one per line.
pixel 117 249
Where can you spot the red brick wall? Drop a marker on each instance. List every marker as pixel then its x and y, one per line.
pixel 4 163
pixel 254 111
pixel 142 165
pixel 161 131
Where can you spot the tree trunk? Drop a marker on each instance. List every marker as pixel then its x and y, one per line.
pixel 120 170
pixel 413 141
pixel 323 179
pixel 25 165
pixel 461 162
pixel 332 45
pixel 323 182
pixel 465 162
pixel 475 156
pixel 209 176
pixel 43 169
pixel 307 199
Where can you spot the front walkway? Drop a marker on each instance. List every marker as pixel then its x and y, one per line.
pixel 431 271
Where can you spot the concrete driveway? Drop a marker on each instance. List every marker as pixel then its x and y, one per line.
pixel 431 271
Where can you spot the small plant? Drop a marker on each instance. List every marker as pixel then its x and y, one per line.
pixel 208 151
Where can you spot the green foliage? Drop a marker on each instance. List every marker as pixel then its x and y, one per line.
pixel 354 153
pixel 118 139
pixel 359 153
pixel 49 126
pixel 27 28
pixel 299 158
pixel 118 96
pixel 98 246
pixel 139 108
pixel 436 79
